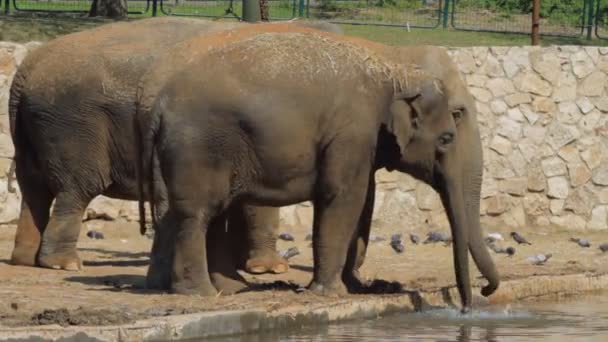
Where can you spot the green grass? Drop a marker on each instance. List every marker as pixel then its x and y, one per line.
pixel 44 27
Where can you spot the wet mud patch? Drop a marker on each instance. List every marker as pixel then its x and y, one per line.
pixel 81 316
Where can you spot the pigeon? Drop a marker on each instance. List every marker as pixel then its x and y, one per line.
pixel 519 239
pixel 604 247
pixel 93 234
pixel 539 259
pixel 376 238
pixel 397 244
pixel 286 237
pixel 581 242
pixel 289 253
pixel 510 251
pixel 415 239
pixel 495 236
pixel 433 237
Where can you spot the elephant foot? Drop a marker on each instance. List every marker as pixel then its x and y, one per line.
pixel 24 255
pixel 334 289
pixel 158 276
pixel 228 285
pixel 268 263
pixel 190 287
pixel 61 261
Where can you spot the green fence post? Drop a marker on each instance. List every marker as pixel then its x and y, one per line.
pixel 251 11
pixel 301 8
pixel 446 10
pixel 7 3
pixel 154 7
pixel 590 21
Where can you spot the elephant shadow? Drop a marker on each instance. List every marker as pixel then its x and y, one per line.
pixel 117 258
pixel 132 283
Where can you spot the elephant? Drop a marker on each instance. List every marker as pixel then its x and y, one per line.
pixel 299 115
pixel 71 110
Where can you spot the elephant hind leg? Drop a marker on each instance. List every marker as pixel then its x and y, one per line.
pixel 257 239
pixel 221 257
pixel 34 216
pixel 58 248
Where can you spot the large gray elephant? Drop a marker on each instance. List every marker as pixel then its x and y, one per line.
pixel 71 107
pixel 301 115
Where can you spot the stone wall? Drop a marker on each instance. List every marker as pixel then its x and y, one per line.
pixel 543 118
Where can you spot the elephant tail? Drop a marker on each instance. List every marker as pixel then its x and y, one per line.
pixel 145 137
pixel 14 102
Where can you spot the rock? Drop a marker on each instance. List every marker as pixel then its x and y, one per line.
pixel 601 103
pixel 532 83
pixel 508 128
pixel 492 67
pixel 546 63
pixel 383 176
pixel 559 135
pixel 593 85
pixel 569 221
pixel 517 99
pixel 515 217
pixel 566 88
pixel 514 186
pixel 600 175
pixel 569 153
pixel 584 104
pixel 603 50
pixel 476 80
pixel 556 206
pixel 536 204
pixel 516 114
pixel 480 94
pixel 500 167
pixel 500 86
pixel 536 179
pixel 589 122
pixel 519 164
pixel 498 107
pixel 578 201
pixel 497 205
pixel 535 133
pixel 582 65
pixel 592 156
pixel 489 186
pixel 515 60
pixel 593 53
pixel 602 63
pixel 599 218
pixel 529 113
pixel 544 105
pixel 568 112
pixel 579 174
pixel 558 187
pixel 426 197
pixel 553 166
pixel 501 145
pixel 465 62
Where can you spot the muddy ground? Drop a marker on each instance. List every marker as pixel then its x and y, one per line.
pixel 110 289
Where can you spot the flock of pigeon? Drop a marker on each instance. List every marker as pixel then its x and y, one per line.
pixel 491 240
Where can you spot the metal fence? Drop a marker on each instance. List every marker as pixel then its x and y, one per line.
pixel 558 17
pixel 278 9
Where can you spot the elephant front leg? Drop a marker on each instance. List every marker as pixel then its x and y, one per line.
pixel 338 206
pixel 358 247
pixel 158 276
pixel 260 225
pixel 58 248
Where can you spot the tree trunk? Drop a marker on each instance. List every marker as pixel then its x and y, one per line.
pixel 264 10
pixel 109 8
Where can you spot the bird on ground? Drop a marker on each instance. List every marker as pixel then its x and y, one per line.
pixel 415 239
pixel 604 247
pixel 581 242
pixel 286 237
pixel 397 243
pixel 539 259
pixel 434 237
pixel 519 239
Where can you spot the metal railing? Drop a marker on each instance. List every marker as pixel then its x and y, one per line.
pixel 73 6
pixel 601 19
pixel 278 9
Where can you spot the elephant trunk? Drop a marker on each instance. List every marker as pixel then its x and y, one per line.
pixel 451 196
pixel 460 193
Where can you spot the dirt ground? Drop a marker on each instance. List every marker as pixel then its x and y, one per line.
pixel 110 289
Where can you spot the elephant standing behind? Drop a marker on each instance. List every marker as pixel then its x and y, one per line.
pixel 313 120
pixel 71 106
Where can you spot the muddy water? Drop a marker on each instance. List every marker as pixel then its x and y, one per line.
pixel 572 319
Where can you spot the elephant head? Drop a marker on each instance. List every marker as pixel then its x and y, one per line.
pixel 433 136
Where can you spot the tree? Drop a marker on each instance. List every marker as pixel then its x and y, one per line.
pixel 264 10
pixel 109 8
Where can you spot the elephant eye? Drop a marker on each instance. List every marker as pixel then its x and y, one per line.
pixel 458 114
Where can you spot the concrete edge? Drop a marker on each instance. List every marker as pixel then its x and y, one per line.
pixel 221 323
